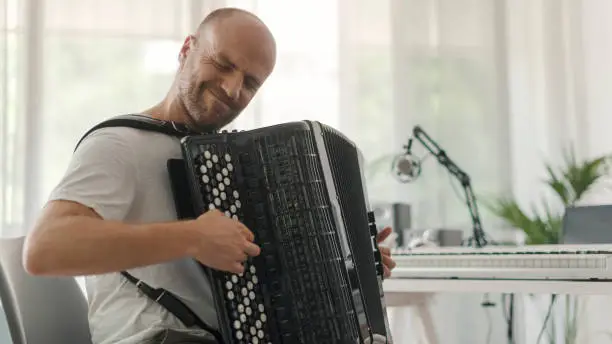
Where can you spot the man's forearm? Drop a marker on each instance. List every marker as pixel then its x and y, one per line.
pixel 83 245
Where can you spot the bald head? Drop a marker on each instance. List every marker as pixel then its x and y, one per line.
pixel 223 65
pixel 223 13
pixel 232 28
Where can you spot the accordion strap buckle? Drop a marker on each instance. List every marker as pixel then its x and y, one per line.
pixel 180 130
pixel 159 297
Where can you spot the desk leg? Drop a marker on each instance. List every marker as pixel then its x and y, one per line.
pixel 429 329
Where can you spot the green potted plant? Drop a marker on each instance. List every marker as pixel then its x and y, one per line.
pixel 569 184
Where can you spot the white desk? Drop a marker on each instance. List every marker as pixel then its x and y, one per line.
pixel 416 293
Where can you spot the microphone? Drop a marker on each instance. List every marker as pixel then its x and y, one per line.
pixel 406 167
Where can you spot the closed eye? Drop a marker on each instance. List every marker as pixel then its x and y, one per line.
pixel 223 67
pixel 250 83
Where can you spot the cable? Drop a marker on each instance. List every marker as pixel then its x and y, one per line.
pixel 508 311
pixel 489 326
pixel 550 307
pixel 486 304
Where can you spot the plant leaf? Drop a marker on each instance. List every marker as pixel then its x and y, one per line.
pixel 580 176
pixel 558 185
pixel 511 213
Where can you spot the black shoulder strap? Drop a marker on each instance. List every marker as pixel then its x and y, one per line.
pixel 173 305
pixel 166 299
pixel 143 122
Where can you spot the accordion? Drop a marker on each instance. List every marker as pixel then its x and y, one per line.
pixel 299 188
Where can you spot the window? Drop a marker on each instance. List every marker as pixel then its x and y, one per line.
pixel 102 60
pixel 94 78
pixel 11 120
pixel 448 82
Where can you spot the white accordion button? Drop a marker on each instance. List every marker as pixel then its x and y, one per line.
pixel 215 158
pixel 207 154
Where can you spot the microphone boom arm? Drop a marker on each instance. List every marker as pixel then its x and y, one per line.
pixel 470 198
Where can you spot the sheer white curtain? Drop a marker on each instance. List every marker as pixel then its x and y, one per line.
pixel 502 86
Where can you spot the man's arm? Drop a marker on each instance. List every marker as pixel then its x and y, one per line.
pixel 71 239
pixel 81 230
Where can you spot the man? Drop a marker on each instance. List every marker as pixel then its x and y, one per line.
pixel 114 211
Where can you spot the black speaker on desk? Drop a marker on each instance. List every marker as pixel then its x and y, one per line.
pixel 396 215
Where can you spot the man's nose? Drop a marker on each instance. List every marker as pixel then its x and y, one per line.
pixel 232 85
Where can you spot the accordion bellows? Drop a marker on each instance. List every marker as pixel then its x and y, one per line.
pixel 299 187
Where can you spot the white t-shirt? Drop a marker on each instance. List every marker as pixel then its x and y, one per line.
pixel 121 173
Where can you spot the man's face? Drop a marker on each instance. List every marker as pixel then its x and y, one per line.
pixel 223 68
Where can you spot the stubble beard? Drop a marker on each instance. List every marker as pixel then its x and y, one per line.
pixel 193 105
pixel 191 94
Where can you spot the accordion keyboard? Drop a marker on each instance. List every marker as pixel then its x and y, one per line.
pixel 242 293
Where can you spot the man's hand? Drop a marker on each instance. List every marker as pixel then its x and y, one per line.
pixel 224 243
pixel 388 262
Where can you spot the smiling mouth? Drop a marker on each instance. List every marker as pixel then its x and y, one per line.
pixel 223 99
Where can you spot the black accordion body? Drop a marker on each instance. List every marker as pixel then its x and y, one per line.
pixel 299 187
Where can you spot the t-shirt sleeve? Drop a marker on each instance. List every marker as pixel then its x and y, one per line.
pixel 101 175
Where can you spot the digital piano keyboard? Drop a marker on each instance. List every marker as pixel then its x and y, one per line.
pixel 533 262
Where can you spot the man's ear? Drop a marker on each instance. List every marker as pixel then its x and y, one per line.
pixel 188 45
